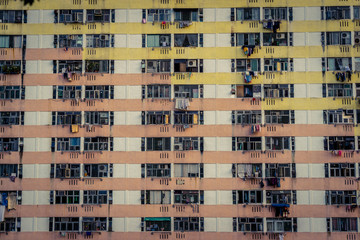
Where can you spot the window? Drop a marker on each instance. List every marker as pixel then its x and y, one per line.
pixel 9 144
pixel 337 13
pixel 97 144
pixel 339 64
pixel 340 116
pixel 10 67
pixel 99 92
pixel 279 225
pixel 95 197
pixel 186 224
pixel 341 197
pixel 72 66
pixel 11 118
pixel 247 170
pixel 186 40
pixel 243 65
pixel 97 66
pixel 70 16
pixel 339 143
pixel 67 197
pixel 158 91
pixel 338 90
pixel 98 15
pixel 98 170
pixel 66 118
pixel 275 39
pixel 67 92
pixel 246 117
pixel 68 144
pixel 188 65
pixel 67 170
pixel 279 117
pixel 247 91
pixel 248 197
pixel 153 224
pixel 98 40
pixel 278 90
pixel 248 143
pixel 69 41
pixel 10 225
pixel 159 15
pixel 158 144
pixel 338 38
pixel 98 118
pixel 278 197
pixel 244 39
pixel 155 197
pixel 158 40
pixel 275 13
pixel 156 118
pixel 186 143
pixel 188 91
pixel 191 15
pixel 344 224
pixel 250 224
pixel 94 224
pixel 342 170
pixel 277 143
pixel 11 16
pixel 155 170
pixel 10 41
pixel 157 66
pixel 12 92
pixel 188 197
pixel 247 14
pixel 6 170
pixel 276 64
pixel 188 117
pixel 277 170
pixel 65 224
pixel 356 12
pixel 188 170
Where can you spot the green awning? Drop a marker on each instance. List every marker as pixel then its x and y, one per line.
pixel 159 219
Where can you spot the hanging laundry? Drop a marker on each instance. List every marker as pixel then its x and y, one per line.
pixel 247 77
pixel 2 213
pixel 276 26
pixel 248 50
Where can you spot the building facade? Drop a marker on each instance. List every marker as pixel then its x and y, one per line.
pixel 179 119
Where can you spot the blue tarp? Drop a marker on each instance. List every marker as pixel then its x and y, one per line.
pixel 280 205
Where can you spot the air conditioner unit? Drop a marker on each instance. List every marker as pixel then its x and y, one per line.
pixel 102 167
pixel 191 63
pixel 104 37
pixel 178 147
pixel 151 66
pixel 166 40
pixel 267 62
pixel 349 111
pixel 280 36
pixel 67 173
pixel 357 38
pixel 345 35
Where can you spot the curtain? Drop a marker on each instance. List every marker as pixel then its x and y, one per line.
pixel 155 197
pixel 4 41
pixel 178 170
pixel 179 40
pixel 193 40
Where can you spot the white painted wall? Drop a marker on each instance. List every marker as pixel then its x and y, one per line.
pixel 38 92
pixel 37 144
pixel 120 40
pixel 39 41
pixel 299 65
pixel 127 171
pixel 301 117
pixel 127 197
pixel 134 66
pixel 210 197
pixel 135 40
pixel 134 15
pixel 120 15
pixel 40 16
pixel 299 39
pixel 313 13
pixel 209 39
pixel 127 92
pixel 39 66
pixel 315 90
pixel 316 117
pixel 36 170
pixel 209 65
pixel 300 90
pixel 223 40
pixel 210 15
pixel 35 198
pixel 222 14
pixel 37 118
pixel 120 66
pixel 223 91
pixel 223 65
pixel 210 91
pixel 313 39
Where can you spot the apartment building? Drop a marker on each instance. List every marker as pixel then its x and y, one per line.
pixel 179 119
